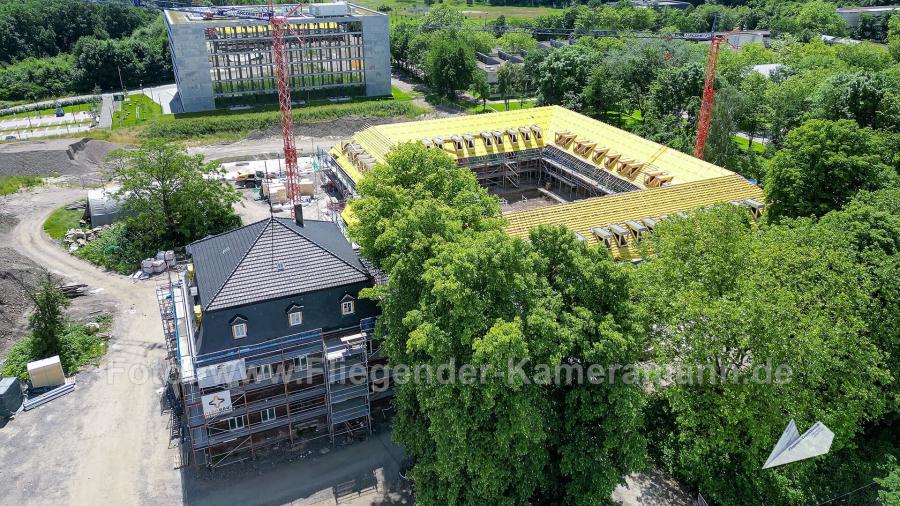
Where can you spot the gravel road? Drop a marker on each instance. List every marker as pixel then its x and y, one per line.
pixel 106 442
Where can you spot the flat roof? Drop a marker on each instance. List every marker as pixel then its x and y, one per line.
pixel 182 17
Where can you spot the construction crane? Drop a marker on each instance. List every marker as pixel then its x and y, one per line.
pixel 709 88
pixel 278 21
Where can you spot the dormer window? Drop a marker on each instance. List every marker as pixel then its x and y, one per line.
pixel 238 327
pixel 295 315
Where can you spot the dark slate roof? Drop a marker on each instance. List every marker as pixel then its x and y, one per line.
pixel 271 259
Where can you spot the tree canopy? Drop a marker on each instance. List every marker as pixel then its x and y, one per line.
pixel 461 292
pixel 821 166
pixel 173 198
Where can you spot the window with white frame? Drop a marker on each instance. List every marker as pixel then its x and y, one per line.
pixel 238 422
pixel 301 363
pixel 239 330
pixel 268 415
pixel 348 307
pixel 260 373
pixel 295 318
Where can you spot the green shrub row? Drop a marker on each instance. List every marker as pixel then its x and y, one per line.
pixel 78 347
pixel 190 126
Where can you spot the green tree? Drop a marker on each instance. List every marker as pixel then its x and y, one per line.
pixel 818 18
pixel 855 96
pixel 48 321
pixel 893 37
pixel 173 198
pixel 462 294
pixel 449 64
pixel 889 487
pixel 514 42
pixel 755 113
pixel 481 88
pixel 821 166
pixel 509 81
pixel 563 72
pixel 730 306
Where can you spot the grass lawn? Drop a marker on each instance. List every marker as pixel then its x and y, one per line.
pixel 399 94
pixel 12 184
pixel 514 105
pixel 61 220
pixel 138 110
pixel 477 11
pixel 742 142
pixel 45 112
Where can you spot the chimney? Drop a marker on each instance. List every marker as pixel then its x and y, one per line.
pixel 298 215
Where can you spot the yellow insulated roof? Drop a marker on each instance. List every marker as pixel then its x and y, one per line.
pixel 377 141
pixel 584 215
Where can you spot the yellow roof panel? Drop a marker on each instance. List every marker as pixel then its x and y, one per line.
pixel 650 156
pixel 584 215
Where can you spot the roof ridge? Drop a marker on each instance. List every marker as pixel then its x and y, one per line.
pixel 220 234
pixel 238 263
pixel 326 250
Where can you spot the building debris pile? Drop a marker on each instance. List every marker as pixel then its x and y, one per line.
pixel 76 238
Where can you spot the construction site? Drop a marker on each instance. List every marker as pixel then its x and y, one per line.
pixel 552 166
pixel 332 50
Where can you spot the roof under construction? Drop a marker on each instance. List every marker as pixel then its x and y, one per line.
pixel 626 183
pixel 576 130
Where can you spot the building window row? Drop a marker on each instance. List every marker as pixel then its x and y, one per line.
pixel 294 314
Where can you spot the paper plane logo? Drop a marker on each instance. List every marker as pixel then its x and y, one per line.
pixel 792 447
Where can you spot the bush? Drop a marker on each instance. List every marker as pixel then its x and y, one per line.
pixel 384 8
pixel 12 184
pixel 78 347
pixel 119 249
pixel 186 127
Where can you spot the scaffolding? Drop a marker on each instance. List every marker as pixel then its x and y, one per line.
pixel 329 56
pixel 290 392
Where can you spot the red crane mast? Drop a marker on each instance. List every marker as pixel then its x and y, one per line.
pixel 709 92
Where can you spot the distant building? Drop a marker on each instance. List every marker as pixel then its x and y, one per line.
pixel 345 52
pixel 269 341
pixel 659 4
pixel 490 64
pixel 852 14
pixel 767 69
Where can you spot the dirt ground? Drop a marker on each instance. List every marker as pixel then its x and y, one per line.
pixel 68 157
pixel 108 442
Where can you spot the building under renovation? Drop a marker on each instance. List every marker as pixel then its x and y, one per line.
pixel 333 50
pixel 553 166
pixel 269 343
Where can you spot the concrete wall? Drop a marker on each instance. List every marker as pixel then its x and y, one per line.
pixel 190 57
pixel 190 60
pixel 377 55
pixel 269 320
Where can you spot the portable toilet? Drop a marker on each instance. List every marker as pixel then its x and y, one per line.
pixel 46 372
pixel 10 396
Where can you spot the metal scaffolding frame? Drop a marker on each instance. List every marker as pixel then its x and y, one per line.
pixel 285 399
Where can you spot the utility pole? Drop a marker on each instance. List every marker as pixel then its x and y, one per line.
pixel 121 82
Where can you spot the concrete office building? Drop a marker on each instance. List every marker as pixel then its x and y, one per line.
pixel 344 52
